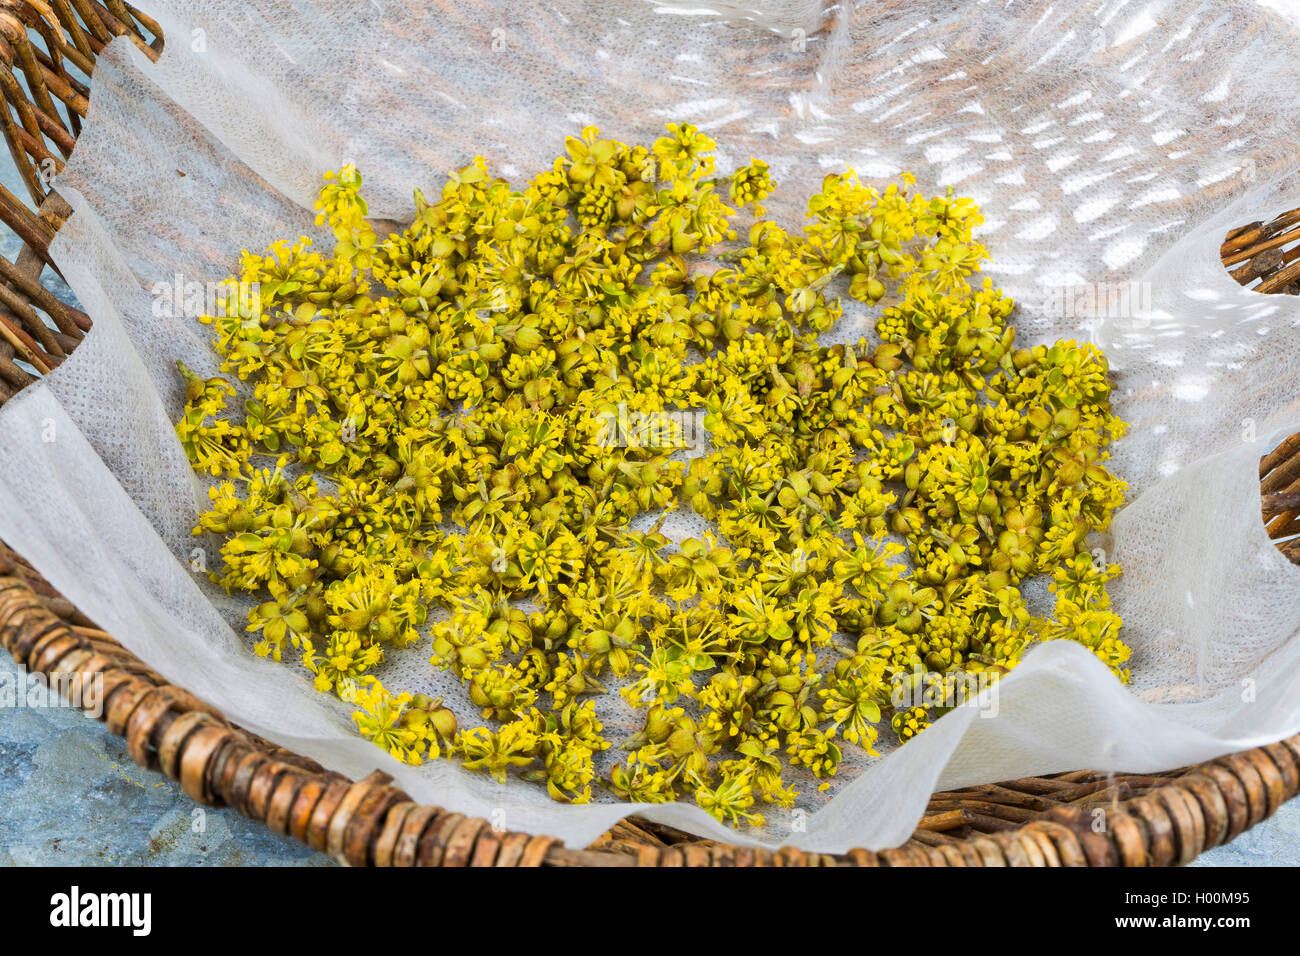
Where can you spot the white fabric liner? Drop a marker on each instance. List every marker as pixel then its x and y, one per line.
pixel 1109 145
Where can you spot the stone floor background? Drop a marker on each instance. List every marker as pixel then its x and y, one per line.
pixel 70 793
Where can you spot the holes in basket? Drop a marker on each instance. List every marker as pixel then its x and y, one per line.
pixel 1279 481
pixel 1265 255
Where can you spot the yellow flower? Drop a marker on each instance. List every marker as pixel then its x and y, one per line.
pixel 479 427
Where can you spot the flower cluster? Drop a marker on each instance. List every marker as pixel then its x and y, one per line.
pixel 424 427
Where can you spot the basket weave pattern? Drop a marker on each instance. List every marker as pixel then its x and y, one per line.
pixel 1084 818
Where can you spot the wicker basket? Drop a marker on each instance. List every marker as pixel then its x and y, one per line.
pixel 47 49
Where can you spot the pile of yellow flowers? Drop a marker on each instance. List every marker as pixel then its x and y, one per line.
pixel 441 419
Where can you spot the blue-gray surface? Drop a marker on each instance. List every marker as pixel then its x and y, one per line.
pixel 70 793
